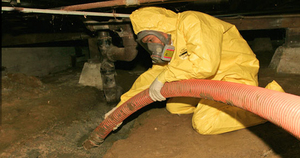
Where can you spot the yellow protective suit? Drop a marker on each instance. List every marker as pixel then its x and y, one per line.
pixel 205 48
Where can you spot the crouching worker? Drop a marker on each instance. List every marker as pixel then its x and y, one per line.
pixel 194 45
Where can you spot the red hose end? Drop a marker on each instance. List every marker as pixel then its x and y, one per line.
pixel 93 141
pixel 88 144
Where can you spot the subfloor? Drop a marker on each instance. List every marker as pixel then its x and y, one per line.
pixel 51 116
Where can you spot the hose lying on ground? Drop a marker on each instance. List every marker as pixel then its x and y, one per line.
pixel 280 108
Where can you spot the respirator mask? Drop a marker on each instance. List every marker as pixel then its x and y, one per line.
pixel 160 54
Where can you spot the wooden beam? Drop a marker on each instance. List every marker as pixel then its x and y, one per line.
pixel 264 22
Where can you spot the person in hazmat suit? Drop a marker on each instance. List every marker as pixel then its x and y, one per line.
pixel 194 45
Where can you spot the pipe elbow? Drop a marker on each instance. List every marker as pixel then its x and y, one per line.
pixel 130 53
pixel 129 41
pixel 127 53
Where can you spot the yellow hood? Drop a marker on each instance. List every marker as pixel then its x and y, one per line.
pixel 153 18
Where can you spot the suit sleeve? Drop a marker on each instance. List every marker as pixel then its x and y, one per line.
pixel 203 40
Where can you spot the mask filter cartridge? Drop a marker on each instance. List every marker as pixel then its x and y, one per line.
pixel 167 52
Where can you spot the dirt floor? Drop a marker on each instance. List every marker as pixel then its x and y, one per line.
pixel 51 116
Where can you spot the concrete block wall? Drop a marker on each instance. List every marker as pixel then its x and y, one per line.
pixel 37 61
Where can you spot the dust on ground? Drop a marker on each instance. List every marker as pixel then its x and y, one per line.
pixel 52 116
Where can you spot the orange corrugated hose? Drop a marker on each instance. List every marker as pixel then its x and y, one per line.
pixel 280 108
